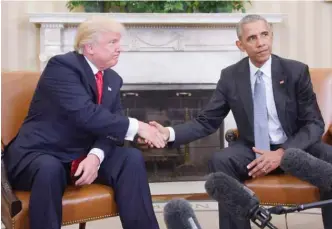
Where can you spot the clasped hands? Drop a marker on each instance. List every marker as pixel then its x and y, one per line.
pixel 153 134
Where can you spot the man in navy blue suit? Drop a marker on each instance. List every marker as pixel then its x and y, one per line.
pixel 75 117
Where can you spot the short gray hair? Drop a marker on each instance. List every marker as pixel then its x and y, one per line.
pixel 248 19
pixel 88 31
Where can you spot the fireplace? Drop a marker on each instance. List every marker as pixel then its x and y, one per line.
pixel 172 105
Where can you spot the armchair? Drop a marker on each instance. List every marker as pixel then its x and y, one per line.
pixel 16 93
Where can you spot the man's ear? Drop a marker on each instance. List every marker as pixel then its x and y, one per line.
pixel 239 45
pixel 88 49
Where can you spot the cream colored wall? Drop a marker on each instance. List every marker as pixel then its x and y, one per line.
pixel 19 38
pixel 306 34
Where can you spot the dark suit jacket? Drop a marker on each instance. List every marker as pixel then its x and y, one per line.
pixel 295 101
pixel 64 119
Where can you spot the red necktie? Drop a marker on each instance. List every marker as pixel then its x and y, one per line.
pixel 99 82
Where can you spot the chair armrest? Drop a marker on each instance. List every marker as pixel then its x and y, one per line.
pixel 10 204
pixel 231 135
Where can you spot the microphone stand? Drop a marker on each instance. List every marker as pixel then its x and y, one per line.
pixel 261 217
pixel 278 210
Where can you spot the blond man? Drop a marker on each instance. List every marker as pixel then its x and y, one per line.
pixel 74 131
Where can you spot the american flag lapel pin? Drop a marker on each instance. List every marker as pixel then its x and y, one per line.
pixel 282 82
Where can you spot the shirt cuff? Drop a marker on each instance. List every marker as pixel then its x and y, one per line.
pixel 132 129
pixel 99 153
pixel 171 134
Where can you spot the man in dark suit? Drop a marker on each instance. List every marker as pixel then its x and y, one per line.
pixel 75 119
pixel 274 107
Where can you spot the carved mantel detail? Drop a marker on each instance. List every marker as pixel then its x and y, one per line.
pixel 151 33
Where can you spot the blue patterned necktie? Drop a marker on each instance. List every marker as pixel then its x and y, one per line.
pixel 261 128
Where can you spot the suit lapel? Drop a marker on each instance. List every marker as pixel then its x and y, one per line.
pixel 244 88
pixel 279 83
pixel 107 90
pixel 89 74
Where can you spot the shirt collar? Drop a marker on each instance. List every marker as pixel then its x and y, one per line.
pixel 92 66
pixel 266 68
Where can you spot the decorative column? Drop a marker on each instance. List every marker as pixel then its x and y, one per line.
pixel 50 42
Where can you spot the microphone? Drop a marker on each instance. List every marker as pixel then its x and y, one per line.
pixel 178 214
pixel 308 168
pixel 237 199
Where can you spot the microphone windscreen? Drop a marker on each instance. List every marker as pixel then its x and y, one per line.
pixel 178 214
pixel 233 196
pixel 308 168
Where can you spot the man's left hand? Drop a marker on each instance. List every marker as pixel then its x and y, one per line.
pixel 267 162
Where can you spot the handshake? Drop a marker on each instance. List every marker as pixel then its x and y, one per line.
pixel 153 134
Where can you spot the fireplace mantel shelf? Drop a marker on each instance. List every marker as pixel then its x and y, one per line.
pixel 151 18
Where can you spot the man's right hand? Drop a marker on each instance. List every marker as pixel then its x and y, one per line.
pixel 151 134
pixel 163 130
pixel 88 169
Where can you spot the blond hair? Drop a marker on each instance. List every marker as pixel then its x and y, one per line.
pixel 89 30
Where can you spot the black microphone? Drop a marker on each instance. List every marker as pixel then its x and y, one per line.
pixel 308 168
pixel 178 214
pixel 237 199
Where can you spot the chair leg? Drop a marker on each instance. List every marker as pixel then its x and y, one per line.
pixel 82 225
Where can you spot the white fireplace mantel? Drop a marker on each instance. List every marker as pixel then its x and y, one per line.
pixel 150 18
pixel 170 44
pixel 159 49
pixel 157 40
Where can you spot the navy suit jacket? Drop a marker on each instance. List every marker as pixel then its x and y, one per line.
pixel 64 119
pixel 294 97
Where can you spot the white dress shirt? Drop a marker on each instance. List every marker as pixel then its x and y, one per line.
pixel 132 129
pixel 276 133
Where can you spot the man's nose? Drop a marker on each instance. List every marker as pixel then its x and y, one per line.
pixel 119 48
pixel 259 42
